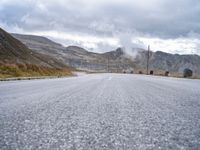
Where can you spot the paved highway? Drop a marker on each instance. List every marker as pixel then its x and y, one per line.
pixel 100 111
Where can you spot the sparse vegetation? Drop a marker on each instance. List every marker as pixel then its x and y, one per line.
pixel 187 73
pixel 29 70
pixel 166 73
pixel 151 72
pixel 140 72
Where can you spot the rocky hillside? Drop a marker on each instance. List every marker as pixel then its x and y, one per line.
pixel 14 51
pixel 78 57
pixel 169 62
pixel 16 59
pixel 113 61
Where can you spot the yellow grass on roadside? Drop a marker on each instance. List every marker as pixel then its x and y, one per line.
pixel 30 70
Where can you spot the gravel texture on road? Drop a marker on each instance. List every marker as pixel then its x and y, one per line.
pixel 100 111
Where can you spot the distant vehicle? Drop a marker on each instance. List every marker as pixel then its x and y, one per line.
pixel 131 72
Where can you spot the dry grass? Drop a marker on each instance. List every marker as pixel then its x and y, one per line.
pixel 29 70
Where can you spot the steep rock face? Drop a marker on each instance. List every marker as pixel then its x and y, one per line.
pixel 40 44
pixel 107 62
pixel 13 51
pixel 118 53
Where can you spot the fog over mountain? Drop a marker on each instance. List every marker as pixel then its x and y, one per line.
pixel 100 25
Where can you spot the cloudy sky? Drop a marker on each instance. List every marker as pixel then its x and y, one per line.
pixel 103 25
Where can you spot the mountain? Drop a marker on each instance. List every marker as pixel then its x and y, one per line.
pixel 169 62
pixel 40 44
pixel 77 57
pixel 13 51
pixel 113 61
pixel 16 57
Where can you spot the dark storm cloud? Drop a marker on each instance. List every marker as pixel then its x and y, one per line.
pixel 163 19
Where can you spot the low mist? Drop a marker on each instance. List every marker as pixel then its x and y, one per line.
pixel 131 45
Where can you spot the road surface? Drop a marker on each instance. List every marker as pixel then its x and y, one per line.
pixel 100 111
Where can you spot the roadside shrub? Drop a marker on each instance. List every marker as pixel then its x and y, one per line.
pixel 167 73
pixel 140 72
pixel 187 73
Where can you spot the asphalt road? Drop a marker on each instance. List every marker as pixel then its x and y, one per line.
pixel 103 111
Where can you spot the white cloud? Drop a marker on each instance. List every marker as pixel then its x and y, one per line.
pixel 179 45
pixel 100 25
pixel 85 40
